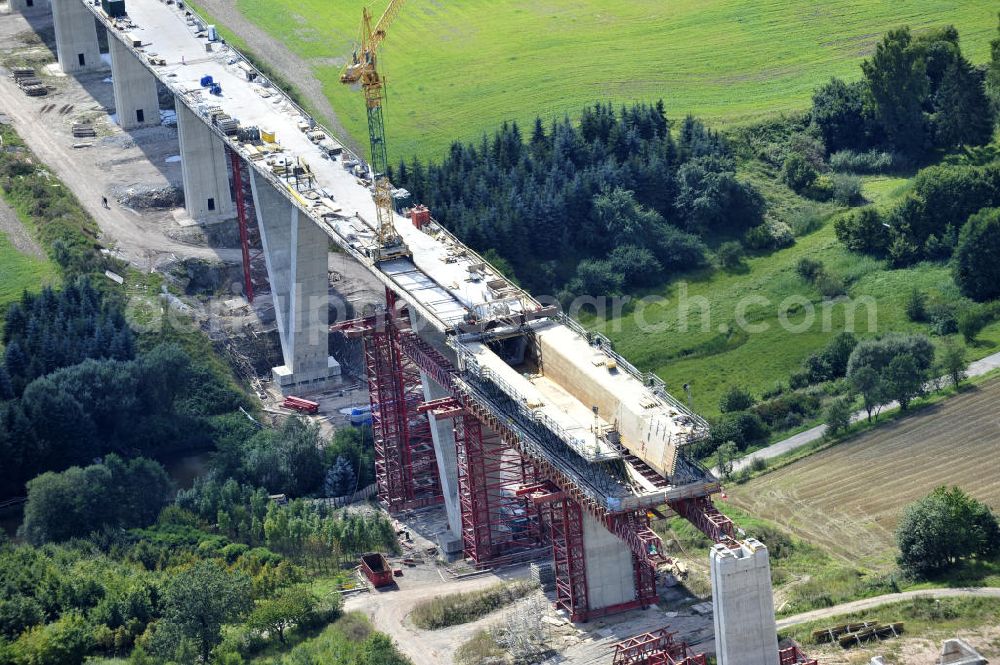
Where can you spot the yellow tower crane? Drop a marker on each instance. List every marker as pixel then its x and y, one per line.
pixel 363 69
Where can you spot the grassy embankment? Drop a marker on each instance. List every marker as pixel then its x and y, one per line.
pixel 463 607
pixel 20 271
pixel 927 622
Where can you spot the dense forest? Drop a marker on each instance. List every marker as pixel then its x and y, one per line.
pixel 620 199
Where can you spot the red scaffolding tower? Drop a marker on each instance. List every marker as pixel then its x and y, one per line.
pixel 406 471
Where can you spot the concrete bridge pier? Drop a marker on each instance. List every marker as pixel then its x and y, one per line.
pixel 25 6
pixel 743 604
pixel 76 36
pixel 610 573
pixel 295 250
pixel 443 436
pixel 204 171
pixel 136 102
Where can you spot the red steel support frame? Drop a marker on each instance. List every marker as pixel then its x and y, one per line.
pixel 655 648
pixel 241 217
pixel 569 558
pixel 405 468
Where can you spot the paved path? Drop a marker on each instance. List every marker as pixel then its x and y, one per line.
pixel 877 601
pixel 976 368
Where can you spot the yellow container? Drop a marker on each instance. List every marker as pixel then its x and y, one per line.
pixel 266 136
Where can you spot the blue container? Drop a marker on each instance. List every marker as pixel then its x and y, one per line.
pixel 206 81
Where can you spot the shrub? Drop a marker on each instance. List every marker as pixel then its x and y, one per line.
pixel 878 353
pixel 770 235
pixel 943 319
pixel 459 608
pixel 872 161
pixel 736 399
pixel 976 270
pixel 821 189
pixel 943 528
pixel 916 306
pixel 806 219
pixel 743 428
pixel 730 254
pixel 775 412
pixel 863 231
pixel 847 189
pixel 831 362
pixel 971 322
pixel 838 416
pixel 830 286
pixel 903 251
pixel 797 172
pixel 809 269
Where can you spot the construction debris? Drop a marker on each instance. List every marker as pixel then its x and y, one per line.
pixel 657 646
pixel 830 634
pixel 142 197
pixel 959 652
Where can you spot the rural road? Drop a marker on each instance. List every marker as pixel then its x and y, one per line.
pixel 876 601
pixel 976 368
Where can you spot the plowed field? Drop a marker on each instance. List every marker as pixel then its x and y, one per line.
pixel 848 499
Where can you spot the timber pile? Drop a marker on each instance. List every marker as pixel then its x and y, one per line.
pixel 83 130
pixel 853 634
pixel 825 635
pixel 29 84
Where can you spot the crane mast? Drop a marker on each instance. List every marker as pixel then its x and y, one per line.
pixel 363 69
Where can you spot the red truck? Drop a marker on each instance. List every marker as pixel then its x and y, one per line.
pixel 300 405
pixel 377 569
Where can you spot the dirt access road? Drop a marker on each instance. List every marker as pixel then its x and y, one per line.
pixel 113 158
pixel 878 601
pixel 389 610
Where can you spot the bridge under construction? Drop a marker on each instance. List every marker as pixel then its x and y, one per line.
pixel 533 432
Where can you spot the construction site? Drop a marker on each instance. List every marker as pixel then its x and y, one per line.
pixel 527 436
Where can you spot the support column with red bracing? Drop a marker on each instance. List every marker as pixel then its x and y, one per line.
pixel 472 495
pixel 388 403
pixel 242 218
pixel 568 557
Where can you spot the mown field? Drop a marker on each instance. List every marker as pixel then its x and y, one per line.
pixel 19 272
pixel 456 69
pixel 848 499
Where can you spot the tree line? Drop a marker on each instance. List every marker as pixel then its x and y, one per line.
pixel 920 94
pixel 74 386
pixel 614 201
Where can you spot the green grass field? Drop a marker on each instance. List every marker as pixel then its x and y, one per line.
pixel 713 352
pixel 21 272
pixel 456 69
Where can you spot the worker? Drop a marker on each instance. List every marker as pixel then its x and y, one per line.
pixel 104 202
